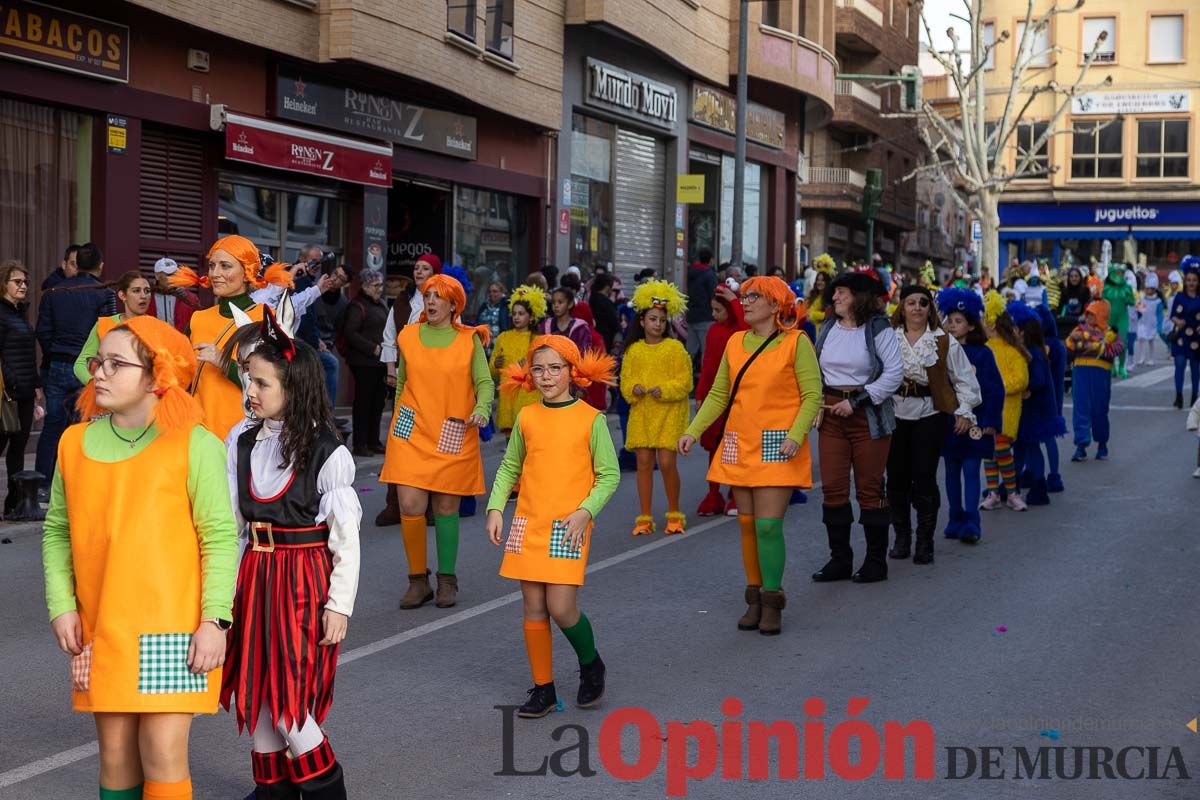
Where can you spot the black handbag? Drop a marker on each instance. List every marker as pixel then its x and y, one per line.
pixel 10 419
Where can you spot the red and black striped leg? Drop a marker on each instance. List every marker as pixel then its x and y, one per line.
pixel 272 777
pixel 318 774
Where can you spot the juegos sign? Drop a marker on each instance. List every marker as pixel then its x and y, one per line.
pixel 55 37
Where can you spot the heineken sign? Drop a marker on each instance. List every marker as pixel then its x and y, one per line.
pixel 373 115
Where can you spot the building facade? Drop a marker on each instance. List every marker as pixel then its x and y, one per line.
pixel 1122 182
pixel 876 37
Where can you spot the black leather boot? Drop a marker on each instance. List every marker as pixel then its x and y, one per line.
pixel 927 514
pixel 838 520
pixel 329 786
pixel 542 700
pixel 875 523
pixel 901 512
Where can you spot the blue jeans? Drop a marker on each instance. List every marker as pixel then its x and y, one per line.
pixel 1181 363
pixel 62 390
pixel 329 362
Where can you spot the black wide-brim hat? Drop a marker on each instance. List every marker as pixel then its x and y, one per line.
pixel 864 281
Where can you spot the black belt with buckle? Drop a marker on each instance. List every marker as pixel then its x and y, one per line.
pixel 913 389
pixel 841 394
pixel 285 537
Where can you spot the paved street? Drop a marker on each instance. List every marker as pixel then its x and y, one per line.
pixel 1096 593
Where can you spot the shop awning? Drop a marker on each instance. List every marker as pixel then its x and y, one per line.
pixel 1152 232
pixel 295 149
pixel 1021 232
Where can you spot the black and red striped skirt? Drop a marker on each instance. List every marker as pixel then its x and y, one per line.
pixel 274 657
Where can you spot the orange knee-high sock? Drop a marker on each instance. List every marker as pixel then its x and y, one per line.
pixel 178 790
pixel 750 550
pixel 412 530
pixel 540 650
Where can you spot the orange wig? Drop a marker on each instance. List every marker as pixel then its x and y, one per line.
pixel 173 363
pixel 247 255
pixel 1100 309
pixel 775 290
pixel 586 368
pixel 452 292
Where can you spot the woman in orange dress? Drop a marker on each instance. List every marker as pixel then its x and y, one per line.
pixel 444 395
pixel 771 384
pixel 234 264
pixel 139 555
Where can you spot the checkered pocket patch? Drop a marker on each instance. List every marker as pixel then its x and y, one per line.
pixel 163 667
pixel 729 448
pixel 81 669
pixel 558 543
pixel 405 419
pixel 454 432
pixel 771 442
pixel 516 535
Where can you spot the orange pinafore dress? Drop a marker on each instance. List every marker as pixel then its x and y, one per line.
pixel 762 413
pixel 136 556
pixel 220 397
pixel 556 477
pixel 106 324
pixel 430 446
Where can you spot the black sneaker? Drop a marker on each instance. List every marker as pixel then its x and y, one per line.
pixel 542 700
pixel 591 683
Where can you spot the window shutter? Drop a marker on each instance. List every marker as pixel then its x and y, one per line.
pixel 171 197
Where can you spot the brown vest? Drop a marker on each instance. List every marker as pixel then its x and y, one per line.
pixel 940 388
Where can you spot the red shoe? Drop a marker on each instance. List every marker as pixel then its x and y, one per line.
pixel 731 506
pixel 712 505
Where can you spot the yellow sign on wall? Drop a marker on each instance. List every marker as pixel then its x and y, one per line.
pixel 689 189
pixel 595 242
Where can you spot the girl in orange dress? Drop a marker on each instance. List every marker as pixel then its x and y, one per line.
pixel 561 451
pixel 444 395
pixel 234 264
pixel 771 373
pixel 139 554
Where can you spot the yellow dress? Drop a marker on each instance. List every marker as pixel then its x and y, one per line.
pixel 1014 370
pixel 513 347
pixel 656 422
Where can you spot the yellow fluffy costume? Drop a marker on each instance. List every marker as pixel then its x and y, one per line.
pixel 1014 368
pixel 510 349
pixel 656 422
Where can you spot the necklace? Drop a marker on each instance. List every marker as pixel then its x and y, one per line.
pixel 130 442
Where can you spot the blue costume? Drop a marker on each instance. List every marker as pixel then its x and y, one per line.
pixel 1185 342
pixel 1093 349
pixel 963 454
pixel 1058 376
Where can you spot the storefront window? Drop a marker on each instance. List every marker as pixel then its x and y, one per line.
pixel 254 212
pixel 1166 252
pixel 591 201
pixel 752 229
pixel 491 240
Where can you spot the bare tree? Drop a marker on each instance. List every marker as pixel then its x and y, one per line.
pixel 968 154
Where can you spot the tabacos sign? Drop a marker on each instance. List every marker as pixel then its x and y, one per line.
pixel 55 37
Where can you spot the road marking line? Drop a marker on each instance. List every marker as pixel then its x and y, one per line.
pixel 35 768
pixel 1142 380
pixel 1132 408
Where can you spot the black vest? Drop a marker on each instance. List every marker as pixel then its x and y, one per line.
pixel 299 503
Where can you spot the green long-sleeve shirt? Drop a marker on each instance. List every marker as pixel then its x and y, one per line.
pixel 604 464
pixel 481 375
pixel 90 348
pixel 808 378
pixel 212 514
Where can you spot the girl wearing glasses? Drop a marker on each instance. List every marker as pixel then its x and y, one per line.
pixel 134 292
pixel 18 364
pixel 561 451
pixel 769 381
pixel 234 264
pixel 938 384
pixel 143 617
pixel 656 379
pixel 444 395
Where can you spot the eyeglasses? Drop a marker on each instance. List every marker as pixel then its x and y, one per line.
pixel 109 366
pixel 19 281
pixel 750 298
pixel 553 370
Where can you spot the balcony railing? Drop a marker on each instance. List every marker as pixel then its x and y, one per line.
pixel 859 92
pixel 837 175
pixel 866 9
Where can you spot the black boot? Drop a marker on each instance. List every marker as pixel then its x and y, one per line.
pixel 1179 400
pixel 283 790
pixel 838 520
pixel 901 512
pixel 927 513
pixel 875 525
pixel 271 777
pixel 591 683
pixel 542 700
pixel 330 785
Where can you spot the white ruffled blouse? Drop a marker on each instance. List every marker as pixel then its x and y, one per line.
pixel 339 506
pixel 919 357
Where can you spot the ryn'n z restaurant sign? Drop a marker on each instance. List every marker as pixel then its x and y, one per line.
pixel 55 37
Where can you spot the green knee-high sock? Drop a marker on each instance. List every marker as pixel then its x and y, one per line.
pixel 446 532
pixel 121 794
pixel 769 533
pixel 582 639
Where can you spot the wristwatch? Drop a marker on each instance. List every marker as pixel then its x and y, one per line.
pixel 222 624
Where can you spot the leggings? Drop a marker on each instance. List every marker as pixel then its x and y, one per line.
pixel 1029 461
pixel 1181 362
pixel 962 481
pixel 1001 466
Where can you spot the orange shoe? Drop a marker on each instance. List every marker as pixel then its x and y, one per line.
pixel 676 523
pixel 643 525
